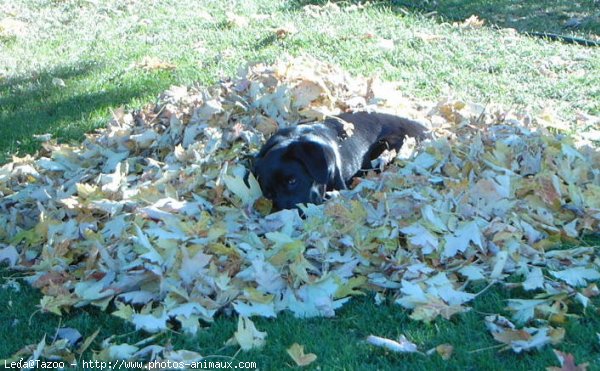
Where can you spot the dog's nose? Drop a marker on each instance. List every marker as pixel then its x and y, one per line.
pixel 317 193
pixel 281 205
pixel 286 206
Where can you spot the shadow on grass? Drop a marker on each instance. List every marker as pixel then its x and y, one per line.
pixel 559 16
pixel 22 322
pixel 66 101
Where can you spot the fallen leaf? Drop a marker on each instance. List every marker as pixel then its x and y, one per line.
pixel 524 309
pixel 10 254
pixel 296 351
pixel 247 336
pixel 71 335
pixel 153 63
pixel 445 351
pixel 285 31
pixel 471 22
pixel 400 346
pixel 567 363
pixel 578 276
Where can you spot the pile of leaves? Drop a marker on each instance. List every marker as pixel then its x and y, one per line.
pixel 151 217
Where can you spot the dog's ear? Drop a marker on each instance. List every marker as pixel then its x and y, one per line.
pixel 318 159
pixel 272 142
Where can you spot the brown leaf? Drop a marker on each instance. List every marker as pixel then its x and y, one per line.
pixel 508 336
pixel 266 125
pixel 567 363
pixel 153 63
pixel 50 278
pixel 285 31
pixel 471 22
pixel 445 351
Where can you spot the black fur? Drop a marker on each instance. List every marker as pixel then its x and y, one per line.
pixel 299 164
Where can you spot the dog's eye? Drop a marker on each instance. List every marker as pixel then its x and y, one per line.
pixel 291 181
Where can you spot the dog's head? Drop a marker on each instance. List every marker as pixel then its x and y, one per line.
pixel 294 171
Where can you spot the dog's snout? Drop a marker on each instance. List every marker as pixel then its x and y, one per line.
pixel 285 204
pixel 317 192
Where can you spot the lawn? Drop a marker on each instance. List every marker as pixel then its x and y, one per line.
pixel 67 65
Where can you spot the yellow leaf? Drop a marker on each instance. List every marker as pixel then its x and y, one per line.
pixel 87 342
pixel 556 335
pixel 55 304
pixel 256 296
pixel 286 253
pixel 445 351
pixel 471 22
pixel 263 206
pixel 90 191
pixel 435 307
pixel 349 288
pixel 247 336
pixel 124 311
pixel 238 186
pixel 296 351
pixel 153 63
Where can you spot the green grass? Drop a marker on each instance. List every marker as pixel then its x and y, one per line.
pixel 93 49
pixel 522 15
pixel 338 342
pixel 93 46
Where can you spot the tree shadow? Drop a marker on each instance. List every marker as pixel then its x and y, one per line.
pixel 66 101
pixel 559 16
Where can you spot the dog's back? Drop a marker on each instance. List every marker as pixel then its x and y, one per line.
pixel 373 133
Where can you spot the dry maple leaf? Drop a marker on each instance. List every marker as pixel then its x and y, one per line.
pixel 247 336
pixel 153 63
pixel 445 351
pixel 296 351
pixel 567 363
pixel 285 31
pixel 471 22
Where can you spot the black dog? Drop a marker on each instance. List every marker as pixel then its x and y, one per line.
pixel 299 164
